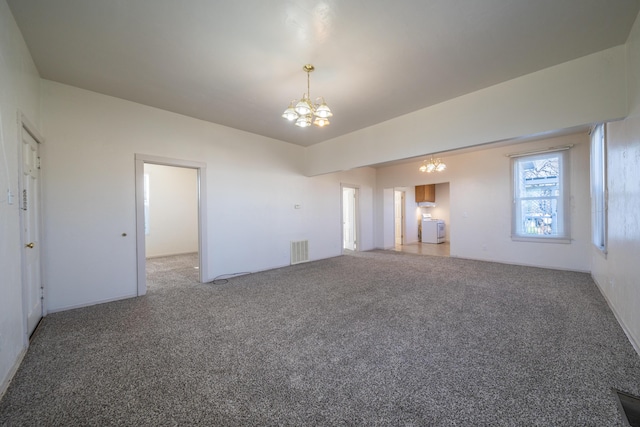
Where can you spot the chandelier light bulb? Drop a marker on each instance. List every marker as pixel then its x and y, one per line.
pixel 321 122
pixel 323 110
pixel 304 121
pixel 303 107
pixel 290 113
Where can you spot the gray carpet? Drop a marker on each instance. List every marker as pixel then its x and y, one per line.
pixel 377 338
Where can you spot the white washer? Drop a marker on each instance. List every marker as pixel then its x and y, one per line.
pixel 432 230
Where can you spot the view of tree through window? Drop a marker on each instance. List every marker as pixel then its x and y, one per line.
pixel 538 195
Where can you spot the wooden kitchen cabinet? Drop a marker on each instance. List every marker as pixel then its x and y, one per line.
pixel 425 193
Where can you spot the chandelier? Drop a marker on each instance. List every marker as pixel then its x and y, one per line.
pixel 432 166
pixel 304 112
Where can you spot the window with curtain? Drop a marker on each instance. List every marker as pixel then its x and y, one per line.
pixel 599 188
pixel 541 193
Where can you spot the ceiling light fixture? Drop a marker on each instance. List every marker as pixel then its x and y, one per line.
pixel 432 166
pixel 303 111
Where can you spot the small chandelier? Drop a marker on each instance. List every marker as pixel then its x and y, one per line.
pixel 432 166
pixel 303 111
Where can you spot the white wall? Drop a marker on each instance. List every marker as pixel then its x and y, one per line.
pixel 252 186
pixel 19 91
pixel 578 92
pixel 173 210
pixel 618 274
pixel 480 204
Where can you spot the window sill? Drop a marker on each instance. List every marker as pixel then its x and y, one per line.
pixel 562 240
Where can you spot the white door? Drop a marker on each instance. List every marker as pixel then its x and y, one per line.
pixel 349 218
pixel 399 217
pixel 30 209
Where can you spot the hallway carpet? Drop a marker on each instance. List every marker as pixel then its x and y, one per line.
pixel 373 338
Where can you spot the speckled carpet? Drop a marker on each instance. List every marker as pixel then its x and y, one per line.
pixel 374 338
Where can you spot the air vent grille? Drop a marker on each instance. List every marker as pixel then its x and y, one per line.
pixel 299 251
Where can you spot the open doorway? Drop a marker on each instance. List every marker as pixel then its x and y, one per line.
pixel 171 225
pixel 170 218
pixel 349 218
pixel 398 201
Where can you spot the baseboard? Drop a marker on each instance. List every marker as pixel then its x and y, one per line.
pixel 635 344
pixel 171 254
pixel 88 304
pixel 522 264
pixel 7 380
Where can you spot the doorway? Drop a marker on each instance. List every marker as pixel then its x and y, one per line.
pixel 349 218
pixel 398 200
pixel 31 226
pixel 171 223
pixel 143 213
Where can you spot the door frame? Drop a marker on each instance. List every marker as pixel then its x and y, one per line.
pixel 141 261
pixel 403 203
pixel 24 125
pixel 356 215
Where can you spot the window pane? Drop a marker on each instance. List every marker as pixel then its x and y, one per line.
pixel 539 177
pixel 539 195
pixel 539 217
pixel 598 188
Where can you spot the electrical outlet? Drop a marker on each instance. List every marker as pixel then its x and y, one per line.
pixel 9 197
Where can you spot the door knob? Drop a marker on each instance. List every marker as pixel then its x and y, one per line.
pixel 29 245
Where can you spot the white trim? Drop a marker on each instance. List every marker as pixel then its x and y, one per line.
pixel 25 125
pixel 545 150
pixel 140 160
pixel 625 329
pixel 170 254
pixel 522 264
pixel 563 204
pixel 562 240
pixel 89 304
pixel 356 215
pixel 14 368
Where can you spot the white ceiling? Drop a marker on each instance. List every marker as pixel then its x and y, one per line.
pixel 239 63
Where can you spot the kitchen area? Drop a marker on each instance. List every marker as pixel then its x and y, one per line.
pixel 433 214
pixel 432 225
pixel 427 231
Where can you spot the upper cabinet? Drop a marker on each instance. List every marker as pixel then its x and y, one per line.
pixel 425 193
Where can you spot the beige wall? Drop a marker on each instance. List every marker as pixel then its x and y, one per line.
pixel 618 273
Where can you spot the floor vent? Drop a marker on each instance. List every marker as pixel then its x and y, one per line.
pixel 629 407
pixel 299 251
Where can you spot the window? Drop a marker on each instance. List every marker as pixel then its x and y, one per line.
pixel 599 188
pixel 540 208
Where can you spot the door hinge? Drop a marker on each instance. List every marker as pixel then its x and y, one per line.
pixel 38 162
pixel 42 293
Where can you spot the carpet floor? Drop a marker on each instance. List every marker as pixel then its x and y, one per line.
pixel 373 338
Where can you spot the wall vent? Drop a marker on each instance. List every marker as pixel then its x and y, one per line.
pixel 299 251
